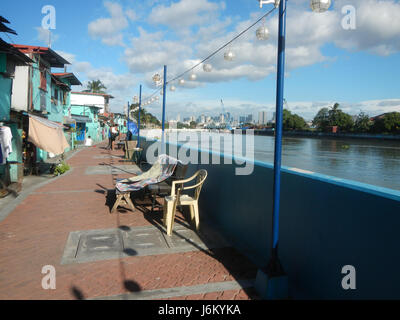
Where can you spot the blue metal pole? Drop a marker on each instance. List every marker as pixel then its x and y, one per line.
pixel 140 109
pixel 272 282
pixel 278 127
pixel 127 123
pixel 163 111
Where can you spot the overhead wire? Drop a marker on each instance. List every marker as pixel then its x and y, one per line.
pixel 214 53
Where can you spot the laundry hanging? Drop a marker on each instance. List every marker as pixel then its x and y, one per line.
pixel 47 135
pixel 5 144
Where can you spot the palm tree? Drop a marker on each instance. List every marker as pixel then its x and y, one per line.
pixel 95 86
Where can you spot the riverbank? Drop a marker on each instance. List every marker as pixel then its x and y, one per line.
pixel 315 134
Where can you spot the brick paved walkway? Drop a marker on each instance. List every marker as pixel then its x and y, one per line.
pixel 36 232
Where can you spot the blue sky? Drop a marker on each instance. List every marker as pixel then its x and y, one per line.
pixel 123 43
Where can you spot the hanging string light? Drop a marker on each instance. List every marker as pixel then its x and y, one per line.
pixel 262 32
pixel 229 55
pixel 156 78
pixel 320 5
pixel 207 67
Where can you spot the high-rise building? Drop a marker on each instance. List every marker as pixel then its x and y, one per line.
pixel 178 119
pixel 262 118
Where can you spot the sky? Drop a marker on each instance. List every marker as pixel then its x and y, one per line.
pixel 125 42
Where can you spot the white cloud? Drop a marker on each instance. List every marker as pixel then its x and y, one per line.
pixel 121 86
pixel 377 27
pixel 198 30
pixel 109 29
pixel 45 36
pixel 191 30
pixel 185 13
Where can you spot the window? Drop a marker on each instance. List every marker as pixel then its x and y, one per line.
pixel 43 80
pixel 65 98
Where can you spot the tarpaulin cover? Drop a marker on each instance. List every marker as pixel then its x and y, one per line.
pixel 47 135
pixel 133 128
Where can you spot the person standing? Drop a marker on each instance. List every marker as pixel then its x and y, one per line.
pixel 109 147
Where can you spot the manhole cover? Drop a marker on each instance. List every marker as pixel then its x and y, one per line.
pixel 96 245
pixel 99 244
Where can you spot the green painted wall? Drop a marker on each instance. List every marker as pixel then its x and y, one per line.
pixel 38 92
pixel 16 155
pixel 5 98
pixel 93 128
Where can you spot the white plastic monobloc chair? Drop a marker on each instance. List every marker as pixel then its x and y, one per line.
pixel 178 199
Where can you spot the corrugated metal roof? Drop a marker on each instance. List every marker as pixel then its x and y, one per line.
pixel 10 50
pixel 73 79
pixel 52 57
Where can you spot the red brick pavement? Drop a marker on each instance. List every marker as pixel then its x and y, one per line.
pixel 35 234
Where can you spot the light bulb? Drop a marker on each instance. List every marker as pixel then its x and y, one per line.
pixel 229 56
pixel 207 67
pixel 262 33
pixel 320 5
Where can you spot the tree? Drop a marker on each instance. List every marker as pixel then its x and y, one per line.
pixel 389 123
pixel 95 86
pixel 333 117
pixel 193 125
pixel 363 123
pixel 321 120
pixel 145 117
pixel 293 121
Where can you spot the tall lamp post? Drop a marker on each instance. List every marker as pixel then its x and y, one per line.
pixel 127 123
pixel 140 109
pixel 272 282
pixel 163 109
pixel 158 81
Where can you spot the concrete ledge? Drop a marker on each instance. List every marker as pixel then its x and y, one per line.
pixel 182 291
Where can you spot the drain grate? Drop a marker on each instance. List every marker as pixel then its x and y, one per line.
pixel 97 245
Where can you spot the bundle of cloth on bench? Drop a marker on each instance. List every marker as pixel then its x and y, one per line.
pixel 161 170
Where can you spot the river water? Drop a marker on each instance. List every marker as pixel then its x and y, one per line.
pixel 369 161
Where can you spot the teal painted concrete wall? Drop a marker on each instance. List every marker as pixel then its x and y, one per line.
pixel 16 155
pixel 121 123
pixel 37 92
pixel 57 109
pixel 93 129
pixel 326 223
pixel 5 98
